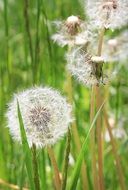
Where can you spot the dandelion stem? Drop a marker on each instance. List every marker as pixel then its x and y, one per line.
pixel 35 168
pixel 92 142
pixel 55 167
pixel 117 158
pixel 75 134
pixel 101 38
pixel 99 119
pixel 65 169
pixel 99 141
pixel 96 92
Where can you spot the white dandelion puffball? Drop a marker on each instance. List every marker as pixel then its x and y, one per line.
pixel 81 66
pixel 108 13
pixel 46 116
pixel 72 31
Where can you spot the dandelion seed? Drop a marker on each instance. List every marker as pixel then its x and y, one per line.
pixel 46 116
pixel 108 13
pixel 84 67
pixel 72 31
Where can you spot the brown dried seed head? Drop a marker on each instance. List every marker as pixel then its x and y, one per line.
pixel 72 25
pixel 111 4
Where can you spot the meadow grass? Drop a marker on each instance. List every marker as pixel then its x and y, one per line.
pixel 28 57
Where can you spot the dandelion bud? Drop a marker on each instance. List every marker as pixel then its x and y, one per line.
pixel 46 116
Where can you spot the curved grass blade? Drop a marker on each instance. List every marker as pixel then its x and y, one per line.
pixel 77 167
pixel 26 149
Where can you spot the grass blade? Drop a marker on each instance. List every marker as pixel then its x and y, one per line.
pixel 26 149
pixel 76 171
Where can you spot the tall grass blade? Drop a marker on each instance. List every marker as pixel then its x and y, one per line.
pixel 77 167
pixel 26 149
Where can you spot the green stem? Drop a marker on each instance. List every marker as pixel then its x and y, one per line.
pixel 6 36
pixel 92 141
pixel 66 161
pixel 27 26
pixel 36 61
pixel 35 168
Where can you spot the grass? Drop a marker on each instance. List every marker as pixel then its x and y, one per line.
pixel 28 57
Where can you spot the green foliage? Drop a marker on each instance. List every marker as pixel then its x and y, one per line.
pixel 35 60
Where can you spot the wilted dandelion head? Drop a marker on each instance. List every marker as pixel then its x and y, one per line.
pixel 46 116
pixel 72 31
pixel 83 66
pixel 108 13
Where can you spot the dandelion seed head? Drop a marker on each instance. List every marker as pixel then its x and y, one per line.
pixel 46 116
pixel 39 116
pixel 81 67
pixel 72 31
pixel 108 13
pixel 85 67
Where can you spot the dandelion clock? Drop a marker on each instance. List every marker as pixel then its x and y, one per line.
pixel 72 31
pixel 46 116
pixel 108 13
